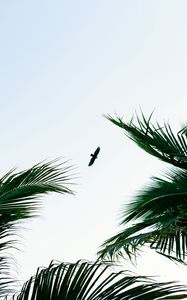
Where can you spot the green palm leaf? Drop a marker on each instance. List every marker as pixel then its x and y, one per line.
pixel 157 140
pixel 159 210
pixel 94 281
pixel 19 191
pixel 162 207
pixel 19 194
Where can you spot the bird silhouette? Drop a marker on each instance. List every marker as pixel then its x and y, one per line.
pixel 94 156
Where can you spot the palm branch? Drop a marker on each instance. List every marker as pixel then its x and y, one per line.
pixel 19 192
pixel 157 140
pixel 94 281
pixel 159 210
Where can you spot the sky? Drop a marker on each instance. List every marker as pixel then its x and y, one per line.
pixel 63 65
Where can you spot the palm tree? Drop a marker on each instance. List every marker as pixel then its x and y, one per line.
pixel 157 216
pixel 91 281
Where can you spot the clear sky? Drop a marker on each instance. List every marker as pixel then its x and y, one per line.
pixel 63 64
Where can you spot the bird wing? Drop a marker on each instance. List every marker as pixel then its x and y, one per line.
pixel 91 161
pixel 97 151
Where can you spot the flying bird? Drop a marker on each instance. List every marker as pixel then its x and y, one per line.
pixel 94 156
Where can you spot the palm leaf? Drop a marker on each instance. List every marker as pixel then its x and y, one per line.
pixel 159 210
pixel 94 281
pixel 162 195
pixel 157 140
pixel 19 194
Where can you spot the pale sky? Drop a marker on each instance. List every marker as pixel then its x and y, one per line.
pixel 63 64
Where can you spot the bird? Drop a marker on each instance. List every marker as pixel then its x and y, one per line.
pixel 94 156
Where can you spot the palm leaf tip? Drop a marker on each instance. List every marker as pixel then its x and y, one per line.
pixel 159 141
pixel 40 179
pixel 19 192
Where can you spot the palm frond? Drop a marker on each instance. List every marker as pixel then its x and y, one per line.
pixel 157 140
pixel 19 200
pixel 162 195
pixel 128 242
pixel 172 243
pixel 160 210
pixel 94 281
pixel 19 191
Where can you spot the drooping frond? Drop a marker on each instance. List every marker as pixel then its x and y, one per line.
pixel 157 140
pixel 127 242
pixel 162 196
pixel 160 211
pixel 170 242
pixel 19 199
pixel 94 281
